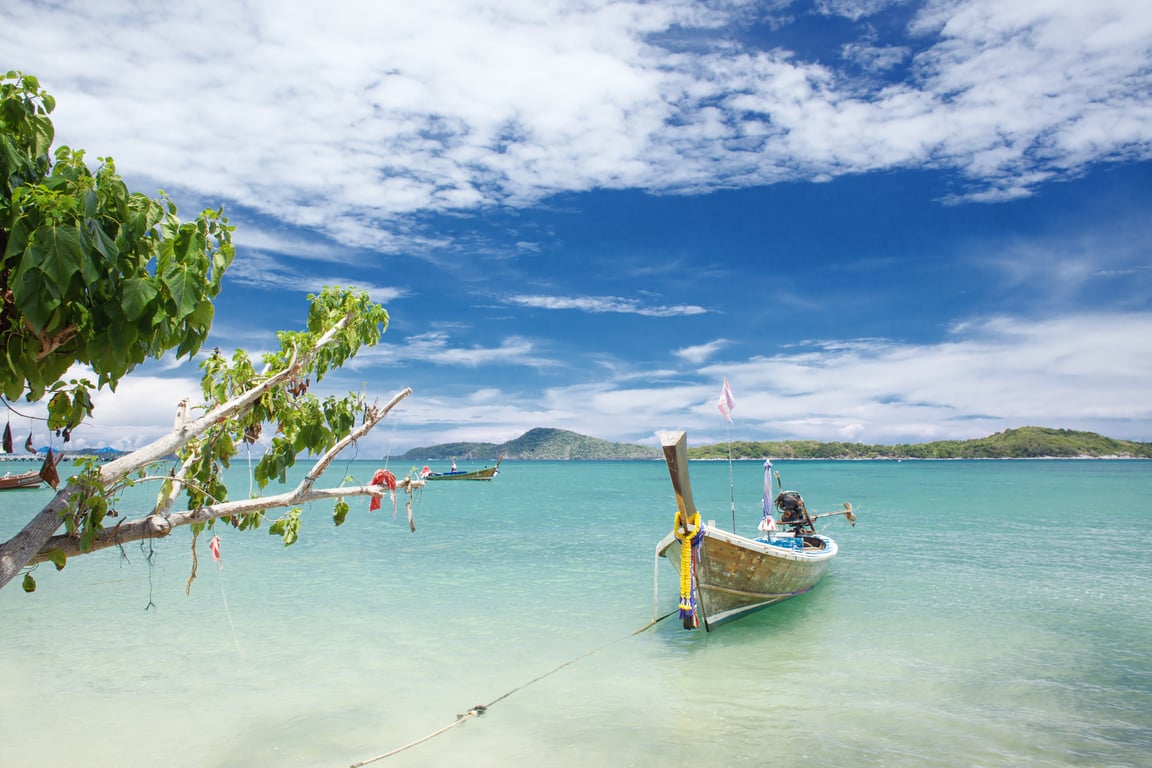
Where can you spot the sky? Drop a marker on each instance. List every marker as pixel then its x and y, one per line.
pixel 883 221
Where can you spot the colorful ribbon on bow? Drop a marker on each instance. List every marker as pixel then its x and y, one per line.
pixel 689 533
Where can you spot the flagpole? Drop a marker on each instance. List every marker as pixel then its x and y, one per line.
pixel 726 403
pixel 731 492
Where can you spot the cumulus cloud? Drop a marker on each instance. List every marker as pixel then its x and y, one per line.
pixel 360 122
pixel 346 119
pixel 988 375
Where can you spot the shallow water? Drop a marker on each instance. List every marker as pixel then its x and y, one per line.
pixel 993 613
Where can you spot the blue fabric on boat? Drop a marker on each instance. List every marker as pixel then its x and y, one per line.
pixel 784 542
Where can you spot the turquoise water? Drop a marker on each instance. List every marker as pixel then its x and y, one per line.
pixel 994 613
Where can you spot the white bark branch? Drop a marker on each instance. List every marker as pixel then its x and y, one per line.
pixel 159 526
pixel 34 537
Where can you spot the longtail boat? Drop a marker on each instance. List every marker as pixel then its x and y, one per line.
pixel 479 474
pixel 34 478
pixel 723 575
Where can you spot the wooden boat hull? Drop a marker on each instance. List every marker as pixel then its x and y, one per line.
pixel 480 474
pixel 736 576
pixel 23 480
pixel 35 478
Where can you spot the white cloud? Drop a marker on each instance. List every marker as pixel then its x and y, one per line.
pixel 271 272
pixel 436 347
pixel 1088 372
pixel 875 58
pixel 991 374
pixel 601 304
pixel 701 352
pixel 855 9
pixel 347 119
pixel 141 410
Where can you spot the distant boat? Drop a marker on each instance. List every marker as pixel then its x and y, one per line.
pixel 480 474
pixel 724 575
pixel 34 478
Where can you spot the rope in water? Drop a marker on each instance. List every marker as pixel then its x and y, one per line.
pixel 480 709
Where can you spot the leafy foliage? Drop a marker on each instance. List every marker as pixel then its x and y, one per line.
pixel 303 423
pixel 239 403
pixel 90 272
pixel 94 274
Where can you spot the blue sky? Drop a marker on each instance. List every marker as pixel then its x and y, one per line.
pixel 882 221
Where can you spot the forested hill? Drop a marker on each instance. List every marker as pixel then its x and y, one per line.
pixel 1021 443
pixel 537 443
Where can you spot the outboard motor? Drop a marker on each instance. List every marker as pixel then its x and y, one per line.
pixel 792 511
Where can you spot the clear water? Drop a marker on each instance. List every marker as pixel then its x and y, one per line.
pixel 994 613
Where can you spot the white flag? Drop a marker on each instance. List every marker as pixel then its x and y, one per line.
pixel 727 402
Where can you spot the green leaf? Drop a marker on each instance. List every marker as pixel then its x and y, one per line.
pixel 36 296
pixel 185 289
pixel 59 410
pixel 29 583
pixel 341 511
pixel 287 527
pixel 42 134
pixel 58 558
pixel 97 510
pixel 17 239
pixel 62 253
pixel 103 242
pixel 138 293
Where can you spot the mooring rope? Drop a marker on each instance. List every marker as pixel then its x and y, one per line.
pixel 480 709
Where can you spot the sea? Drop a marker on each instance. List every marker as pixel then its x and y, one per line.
pixel 979 613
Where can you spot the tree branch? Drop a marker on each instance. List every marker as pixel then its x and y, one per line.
pixel 157 526
pixel 21 548
pixel 154 525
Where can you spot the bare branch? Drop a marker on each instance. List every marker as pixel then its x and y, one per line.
pixel 374 417
pixel 157 526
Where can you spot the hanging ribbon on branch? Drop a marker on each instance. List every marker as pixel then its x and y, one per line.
pixel 387 479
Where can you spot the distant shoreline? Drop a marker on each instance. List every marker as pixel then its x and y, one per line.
pixel 942 458
pixel 1021 443
pixel 752 459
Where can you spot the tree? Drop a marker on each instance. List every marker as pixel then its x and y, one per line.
pixel 96 275
pixel 91 273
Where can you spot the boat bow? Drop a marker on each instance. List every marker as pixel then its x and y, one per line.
pixel 728 575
